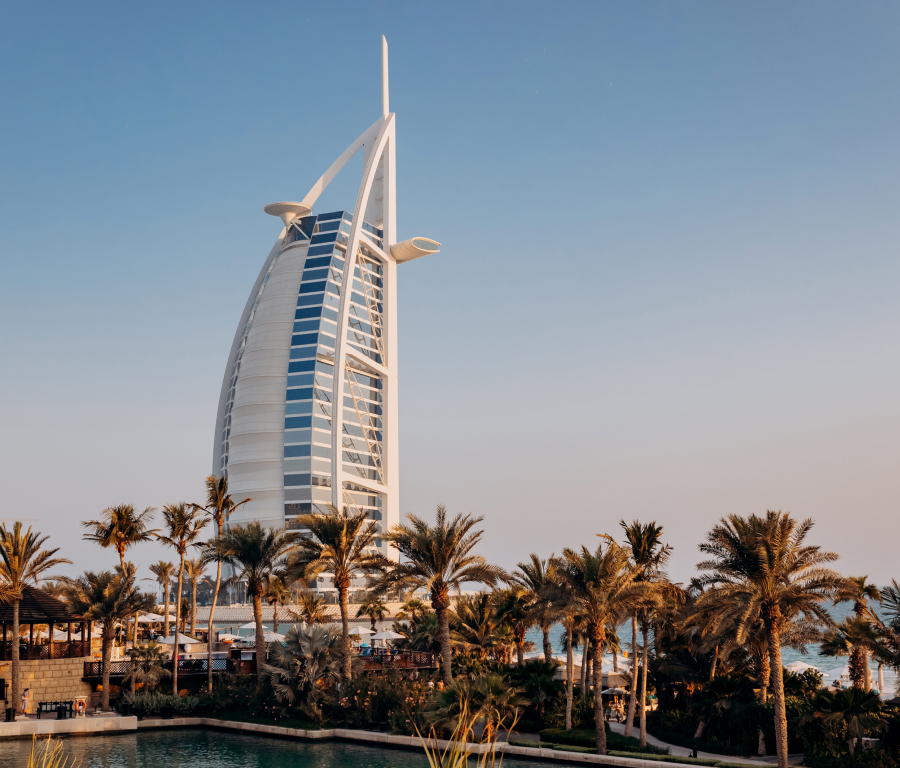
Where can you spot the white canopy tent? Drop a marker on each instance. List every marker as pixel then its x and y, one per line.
pixel 182 640
pixel 799 667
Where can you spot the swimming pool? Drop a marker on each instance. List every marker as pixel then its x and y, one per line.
pixel 219 749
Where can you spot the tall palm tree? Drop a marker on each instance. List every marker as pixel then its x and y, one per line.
pixel 164 572
pixel 219 506
pixel 539 578
pixel 514 608
pixel 650 556
pixel 106 598
pixel 183 526
pixel 22 562
pixel 763 565
pixel 147 665
pixel 276 594
pixel 440 560
pixel 194 569
pixel 477 627
pixel 862 591
pixel 120 527
pixel 602 584
pixel 256 553
pixel 374 608
pixel 340 543
pixel 312 607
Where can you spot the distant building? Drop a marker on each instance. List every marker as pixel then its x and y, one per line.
pixel 308 411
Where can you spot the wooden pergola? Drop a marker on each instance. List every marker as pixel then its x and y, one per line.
pixel 38 607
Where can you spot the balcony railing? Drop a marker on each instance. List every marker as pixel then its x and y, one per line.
pixel 93 670
pixel 398 660
pixel 28 652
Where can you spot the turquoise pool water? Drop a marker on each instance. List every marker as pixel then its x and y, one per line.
pixel 218 749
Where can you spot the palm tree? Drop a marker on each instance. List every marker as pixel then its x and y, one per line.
pixel 538 577
pixel 855 637
pixel 183 525
pixel 488 700
pixel 602 584
pixel 862 591
pixel 194 569
pixel 859 709
pixel 439 559
pixel 256 553
pixel 308 659
pixel 120 527
pixel 342 544
pixel 514 609
pixel 276 594
pixel 374 607
pixel 146 665
pixel 106 598
pixel 219 506
pixel 762 567
pixel 650 555
pixel 477 627
pixel 164 572
pixel 22 562
pixel 312 607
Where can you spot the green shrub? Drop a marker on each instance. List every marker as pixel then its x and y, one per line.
pixel 152 704
pixel 588 738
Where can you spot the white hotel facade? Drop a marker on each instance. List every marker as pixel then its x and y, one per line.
pixel 308 412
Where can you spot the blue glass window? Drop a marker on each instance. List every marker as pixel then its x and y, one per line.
pixel 304 338
pixel 315 288
pixel 331 288
pixel 319 250
pixel 295 408
pixel 300 394
pixel 326 237
pixel 301 314
pixel 306 365
pixel 303 301
pixel 326 341
pixel 331 226
pixel 315 274
pixel 304 380
pixel 330 216
pixel 296 451
pixel 296 480
pixel 322 261
pixel 303 353
pixel 298 422
pixel 306 325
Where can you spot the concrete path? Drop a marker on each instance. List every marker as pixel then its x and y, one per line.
pixel 685 752
pixel 49 725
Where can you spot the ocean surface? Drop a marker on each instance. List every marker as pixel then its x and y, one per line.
pixel 812 656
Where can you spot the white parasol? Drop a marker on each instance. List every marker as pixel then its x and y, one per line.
pixel 272 637
pixel 799 667
pixel 182 640
pixel 360 631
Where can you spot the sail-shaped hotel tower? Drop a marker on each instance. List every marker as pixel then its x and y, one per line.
pixel 308 410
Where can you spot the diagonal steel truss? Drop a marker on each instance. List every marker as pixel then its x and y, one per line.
pixel 366 422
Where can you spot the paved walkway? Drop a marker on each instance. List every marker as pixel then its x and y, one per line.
pixel 48 724
pixel 685 752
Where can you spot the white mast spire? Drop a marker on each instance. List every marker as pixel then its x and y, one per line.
pixel 385 109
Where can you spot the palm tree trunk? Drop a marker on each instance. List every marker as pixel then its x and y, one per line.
pixel 765 672
pixel 444 635
pixel 166 599
pixel 260 638
pixel 644 676
pixel 599 724
pixel 548 647
pixel 177 638
pixel 632 694
pixel 700 728
pixel 585 664
pixel 346 659
pixel 193 606
pixel 570 673
pixel 520 647
pixel 14 647
pixel 275 616
pixel 715 662
pixel 212 610
pixel 867 673
pixel 781 735
pixel 108 630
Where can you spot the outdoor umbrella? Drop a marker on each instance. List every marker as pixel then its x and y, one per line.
pixel 182 640
pixel 360 631
pixel 386 635
pixel 151 618
pixel 800 666
pixel 272 637
pixel 248 625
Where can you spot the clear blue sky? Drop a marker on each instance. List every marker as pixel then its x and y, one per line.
pixel 668 288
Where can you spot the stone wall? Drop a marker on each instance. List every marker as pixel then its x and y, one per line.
pixel 50 680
